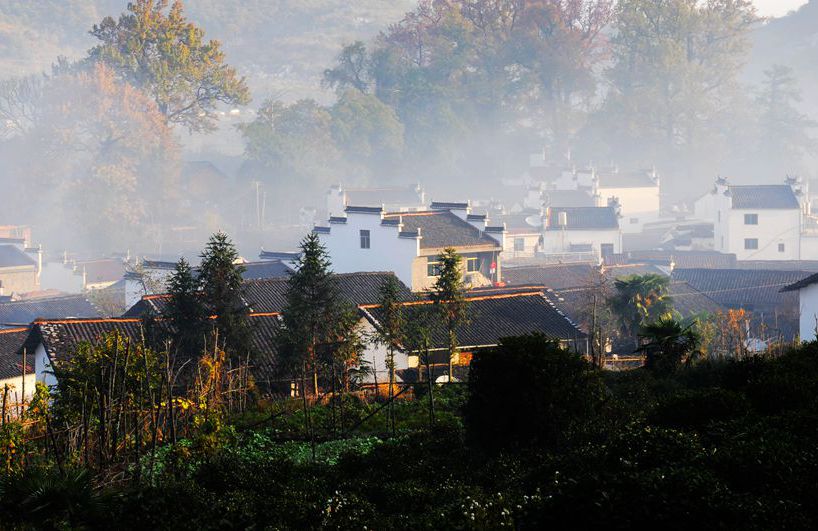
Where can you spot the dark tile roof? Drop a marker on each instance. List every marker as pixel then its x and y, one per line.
pixel 441 229
pixel 11 256
pixel 583 218
pixel 498 315
pixel 681 259
pixel 751 289
pixel 803 283
pixel 265 269
pixel 279 255
pixel 26 311
pixel 61 337
pixel 763 196
pixel 562 276
pixel 270 295
pixel 448 205
pixel 688 301
pixel 568 198
pixel 12 342
pixel 363 209
pixel 522 223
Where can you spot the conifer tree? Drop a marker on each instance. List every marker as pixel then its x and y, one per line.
pixel 220 282
pixel 448 295
pixel 185 311
pixel 313 308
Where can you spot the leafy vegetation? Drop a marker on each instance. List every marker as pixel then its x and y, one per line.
pixel 538 438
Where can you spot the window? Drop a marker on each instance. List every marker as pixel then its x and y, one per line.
pixel 519 244
pixel 472 265
pixel 365 242
pixel 751 219
pixel 751 243
pixel 780 247
pixel 634 221
pixel 433 269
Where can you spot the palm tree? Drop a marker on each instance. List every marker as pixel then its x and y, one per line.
pixel 640 299
pixel 667 342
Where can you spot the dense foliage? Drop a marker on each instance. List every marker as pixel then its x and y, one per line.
pixel 545 441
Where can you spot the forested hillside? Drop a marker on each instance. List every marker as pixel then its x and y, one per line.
pixel 282 46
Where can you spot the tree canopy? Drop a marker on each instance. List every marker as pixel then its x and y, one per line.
pixel 154 47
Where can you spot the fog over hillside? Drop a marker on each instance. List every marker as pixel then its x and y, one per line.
pixel 455 96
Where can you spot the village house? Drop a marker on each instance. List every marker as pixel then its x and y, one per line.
pixel 578 233
pixel 391 199
pixel 807 290
pixel 756 222
pixel 23 312
pixel 410 243
pixel 20 266
pixel 638 194
pixel 771 312
pixel 493 315
pixel 17 377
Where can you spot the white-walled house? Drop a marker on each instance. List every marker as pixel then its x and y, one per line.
pixel 392 199
pixel 807 306
pixel 409 243
pixel 755 222
pixel 14 352
pixel 587 230
pixel 493 315
pixel 637 193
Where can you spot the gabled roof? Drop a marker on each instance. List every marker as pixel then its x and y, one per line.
pixel 564 276
pixel 26 311
pixel 493 316
pixel 803 283
pixel 681 259
pixel 12 342
pixel 763 196
pixel 751 289
pixel 442 228
pixel 269 295
pixel 62 336
pixel 12 256
pixel 584 218
pixel 265 269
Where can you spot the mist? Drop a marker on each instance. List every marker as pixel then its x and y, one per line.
pixel 457 97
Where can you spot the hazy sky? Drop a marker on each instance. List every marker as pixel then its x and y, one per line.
pixel 777 8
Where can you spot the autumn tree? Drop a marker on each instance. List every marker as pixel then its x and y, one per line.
pixel 448 296
pixel 98 156
pixel 154 47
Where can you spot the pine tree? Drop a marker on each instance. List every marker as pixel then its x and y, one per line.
pixel 313 308
pixel 448 295
pixel 185 312
pixel 220 282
